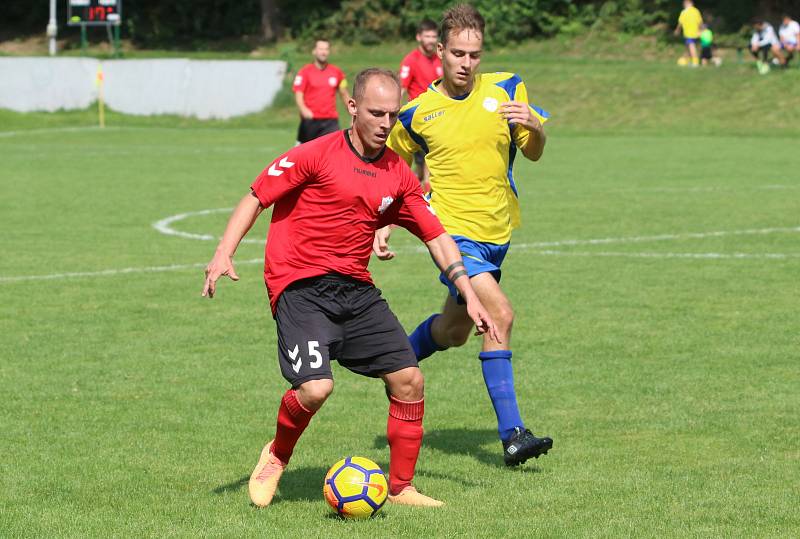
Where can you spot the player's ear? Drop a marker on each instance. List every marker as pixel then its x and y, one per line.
pixel 351 106
pixel 440 50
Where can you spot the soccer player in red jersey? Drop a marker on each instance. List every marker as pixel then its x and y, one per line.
pixel 330 196
pixel 315 87
pixel 421 66
pixel 418 70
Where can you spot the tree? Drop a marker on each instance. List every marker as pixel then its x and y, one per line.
pixel 270 20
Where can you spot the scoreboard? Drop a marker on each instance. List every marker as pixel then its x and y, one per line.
pixel 94 12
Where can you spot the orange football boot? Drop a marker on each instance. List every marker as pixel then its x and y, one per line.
pixel 410 496
pixel 264 479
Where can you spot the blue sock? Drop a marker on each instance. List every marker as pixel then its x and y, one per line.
pixel 498 375
pixel 422 341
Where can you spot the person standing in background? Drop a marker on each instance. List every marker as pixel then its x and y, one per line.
pixel 689 22
pixel 418 70
pixel 315 88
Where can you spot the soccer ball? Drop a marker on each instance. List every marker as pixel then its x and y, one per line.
pixel 355 488
pixel 682 61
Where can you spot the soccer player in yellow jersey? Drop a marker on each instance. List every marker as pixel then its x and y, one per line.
pixel 470 127
pixel 690 21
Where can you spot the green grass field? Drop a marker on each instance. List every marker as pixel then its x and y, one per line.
pixel 655 281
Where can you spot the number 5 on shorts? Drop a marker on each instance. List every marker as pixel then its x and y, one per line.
pixel 313 352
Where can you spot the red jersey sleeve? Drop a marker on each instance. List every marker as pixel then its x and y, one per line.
pixel 413 212
pixel 300 81
pixel 405 71
pixel 342 79
pixel 290 170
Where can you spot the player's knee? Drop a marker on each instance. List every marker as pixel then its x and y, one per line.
pixel 504 318
pixel 410 388
pixel 314 393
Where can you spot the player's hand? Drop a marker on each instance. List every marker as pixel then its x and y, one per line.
pixel 220 265
pixel 380 245
pixel 306 114
pixel 519 113
pixel 484 325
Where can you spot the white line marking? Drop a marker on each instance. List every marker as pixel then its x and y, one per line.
pixel 705 256
pixel 113 272
pixel 44 131
pixel 165 226
pixel 659 237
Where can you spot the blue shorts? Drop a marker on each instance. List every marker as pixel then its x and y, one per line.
pixel 688 40
pixel 479 257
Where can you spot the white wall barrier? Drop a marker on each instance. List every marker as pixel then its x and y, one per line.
pixel 200 88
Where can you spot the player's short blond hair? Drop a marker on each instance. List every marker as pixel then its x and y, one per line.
pixel 363 78
pixel 461 17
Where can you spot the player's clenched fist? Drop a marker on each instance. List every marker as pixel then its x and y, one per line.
pixel 520 113
pixel 220 265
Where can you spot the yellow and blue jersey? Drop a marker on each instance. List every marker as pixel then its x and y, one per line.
pixel 469 149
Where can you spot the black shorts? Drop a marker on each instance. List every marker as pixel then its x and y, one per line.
pixel 311 129
pixel 333 317
pixel 705 53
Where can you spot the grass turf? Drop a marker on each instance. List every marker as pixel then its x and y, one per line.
pixel 665 368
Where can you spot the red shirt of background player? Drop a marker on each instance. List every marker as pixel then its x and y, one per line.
pixel 417 71
pixel 319 88
pixel 329 201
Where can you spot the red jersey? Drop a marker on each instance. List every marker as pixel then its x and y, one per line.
pixel 319 88
pixel 329 201
pixel 417 71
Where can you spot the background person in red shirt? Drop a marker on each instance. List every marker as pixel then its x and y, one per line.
pixel 418 70
pixel 315 87
pixel 329 197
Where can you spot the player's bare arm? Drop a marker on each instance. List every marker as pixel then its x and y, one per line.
pixel 444 252
pixel 380 245
pixel 520 113
pixel 344 94
pixel 242 219
pixel 305 112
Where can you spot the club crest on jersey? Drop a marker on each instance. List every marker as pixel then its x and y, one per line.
pixel 332 81
pixel 385 203
pixel 490 104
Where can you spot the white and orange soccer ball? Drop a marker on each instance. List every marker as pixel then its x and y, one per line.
pixel 355 488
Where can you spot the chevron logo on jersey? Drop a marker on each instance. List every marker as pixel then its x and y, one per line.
pixel 284 164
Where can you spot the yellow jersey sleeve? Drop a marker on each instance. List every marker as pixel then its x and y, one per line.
pixel 402 137
pixel 520 134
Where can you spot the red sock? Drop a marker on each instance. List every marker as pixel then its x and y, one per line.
pixel 404 431
pixel 293 419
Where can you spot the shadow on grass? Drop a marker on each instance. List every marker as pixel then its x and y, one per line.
pixel 296 484
pixel 470 443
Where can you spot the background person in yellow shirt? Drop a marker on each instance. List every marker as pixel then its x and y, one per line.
pixel 470 126
pixel 690 21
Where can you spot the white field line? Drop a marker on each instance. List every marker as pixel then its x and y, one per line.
pixel 114 272
pixel 659 237
pixel 702 256
pixel 536 248
pixel 47 130
pixel 165 226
